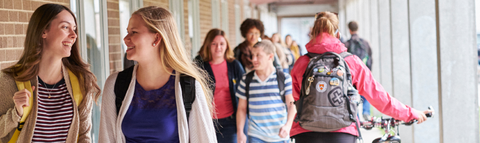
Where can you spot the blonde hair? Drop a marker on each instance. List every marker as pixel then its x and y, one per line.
pixel 267 46
pixel 205 53
pixel 326 22
pixel 172 51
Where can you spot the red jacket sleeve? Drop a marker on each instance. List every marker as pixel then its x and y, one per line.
pixel 373 91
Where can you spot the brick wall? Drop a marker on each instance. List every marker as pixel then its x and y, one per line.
pixel 115 52
pixel 14 17
pixel 187 41
pixel 231 23
pixel 159 3
pixel 205 18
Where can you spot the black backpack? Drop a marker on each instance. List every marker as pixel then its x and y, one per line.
pixel 356 47
pixel 280 81
pixel 123 81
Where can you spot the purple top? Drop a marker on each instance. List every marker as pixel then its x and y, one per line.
pixel 152 115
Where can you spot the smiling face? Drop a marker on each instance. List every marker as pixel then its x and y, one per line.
pixel 59 36
pixel 252 35
pixel 260 59
pixel 141 43
pixel 218 47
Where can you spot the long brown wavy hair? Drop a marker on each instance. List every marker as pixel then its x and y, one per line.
pixel 207 44
pixel 28 66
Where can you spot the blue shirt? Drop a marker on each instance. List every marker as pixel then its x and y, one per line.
pixel 152 115
pixel 267 110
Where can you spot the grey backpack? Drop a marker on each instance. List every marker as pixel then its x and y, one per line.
pixel 325 98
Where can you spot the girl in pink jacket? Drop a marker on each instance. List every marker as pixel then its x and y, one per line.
pixel 326 40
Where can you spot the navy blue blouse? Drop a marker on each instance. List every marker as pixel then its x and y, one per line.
pixel 152 115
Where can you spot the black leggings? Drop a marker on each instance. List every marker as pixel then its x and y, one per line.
pixel 328 137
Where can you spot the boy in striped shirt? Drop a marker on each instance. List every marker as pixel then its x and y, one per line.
pixel 270 118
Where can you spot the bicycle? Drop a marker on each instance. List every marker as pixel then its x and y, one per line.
pixel 389 125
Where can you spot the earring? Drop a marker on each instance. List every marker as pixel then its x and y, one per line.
pixel 153 44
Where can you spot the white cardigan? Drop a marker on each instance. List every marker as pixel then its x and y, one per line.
pixel 199 128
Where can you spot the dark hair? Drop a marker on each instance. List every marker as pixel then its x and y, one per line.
pixel 353 26
pixel 206 47
pixel 28 65
pixel 249 24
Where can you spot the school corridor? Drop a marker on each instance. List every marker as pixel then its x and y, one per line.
pixel 424 51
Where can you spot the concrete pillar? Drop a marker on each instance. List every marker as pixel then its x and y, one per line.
pixel 401 59
pixel 374 41
pixel 366 20
pixel 423 49
pixel 457 71
pixel 385 61
pixel 341 17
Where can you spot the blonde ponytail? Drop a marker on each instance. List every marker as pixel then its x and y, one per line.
pixel 326 22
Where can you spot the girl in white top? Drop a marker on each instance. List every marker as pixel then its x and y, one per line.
pixel 153 41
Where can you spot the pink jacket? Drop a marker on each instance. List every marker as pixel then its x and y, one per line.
pixel 362 79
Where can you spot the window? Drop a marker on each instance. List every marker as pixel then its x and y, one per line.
pixel 93 45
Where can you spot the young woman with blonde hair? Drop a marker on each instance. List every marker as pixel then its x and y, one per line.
pixel 58 87
pixel 216 58
pixel 152 109
pixel 326 39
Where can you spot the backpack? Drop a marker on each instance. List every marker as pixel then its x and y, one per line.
pixel 356 47
pixel 280 81
pixel 325 103
pixel 123 81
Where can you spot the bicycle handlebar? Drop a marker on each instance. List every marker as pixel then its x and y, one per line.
pixel 385 122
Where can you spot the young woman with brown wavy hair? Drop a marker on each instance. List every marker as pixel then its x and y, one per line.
pixel 216 58
pixel 152 109
pixel 51 51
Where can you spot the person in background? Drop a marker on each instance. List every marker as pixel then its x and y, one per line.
pixel 252 30
pixel 52 65
pixel 216 58
pixel 270 118
pixel 326 40
pixel 283 53
pixel 153 108
pixel 360 47
pixel 293 46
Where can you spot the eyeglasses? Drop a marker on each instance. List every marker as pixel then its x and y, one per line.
pixel 253 34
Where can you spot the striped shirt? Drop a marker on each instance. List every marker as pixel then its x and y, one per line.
pixel 55 113
pixel 267 110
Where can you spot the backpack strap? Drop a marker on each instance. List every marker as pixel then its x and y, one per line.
pixel 281 83
pixel 124 77
pixel 187 84
pixel 248 80
pixel 77 96
pixel 121 86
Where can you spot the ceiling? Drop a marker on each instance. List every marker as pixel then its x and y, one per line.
pixel 293 2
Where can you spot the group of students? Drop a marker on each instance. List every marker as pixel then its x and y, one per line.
pixel 48 95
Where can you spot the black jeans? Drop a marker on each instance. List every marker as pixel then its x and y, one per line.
pixel 321 137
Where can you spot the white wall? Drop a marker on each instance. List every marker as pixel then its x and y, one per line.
pixel 298 28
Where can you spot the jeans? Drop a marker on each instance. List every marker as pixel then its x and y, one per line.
pixel 226 129
pixel 251 139
pixel 366 106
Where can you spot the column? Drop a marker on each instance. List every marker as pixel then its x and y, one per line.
pixel 401 59
pixel 385 61
pixel 423 42
pixel 457 71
